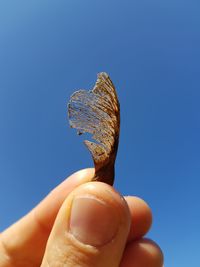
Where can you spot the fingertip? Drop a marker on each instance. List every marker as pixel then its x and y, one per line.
pixel 142 253
pixel 141 217
pixel 81 176
pixel 107 195
pixel 85 174
pixel 92 224
pixel 153 250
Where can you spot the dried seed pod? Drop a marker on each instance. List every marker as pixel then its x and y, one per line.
pixel 98 112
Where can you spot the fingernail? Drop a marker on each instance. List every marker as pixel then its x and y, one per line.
pixel 93 221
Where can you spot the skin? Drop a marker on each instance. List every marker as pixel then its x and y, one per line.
pixel 43 238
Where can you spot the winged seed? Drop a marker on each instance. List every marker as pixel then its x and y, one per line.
pixel 97 112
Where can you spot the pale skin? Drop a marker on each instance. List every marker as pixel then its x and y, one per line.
pixel 52 233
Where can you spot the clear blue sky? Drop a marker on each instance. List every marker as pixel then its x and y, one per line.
pixel 151 49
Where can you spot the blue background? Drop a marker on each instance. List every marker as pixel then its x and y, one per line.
pixel 151 50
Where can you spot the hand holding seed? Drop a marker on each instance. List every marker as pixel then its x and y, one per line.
pixel 84 223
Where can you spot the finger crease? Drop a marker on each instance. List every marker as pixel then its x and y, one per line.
pixel 40 223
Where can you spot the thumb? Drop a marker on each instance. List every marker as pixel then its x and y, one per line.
pixel 90 230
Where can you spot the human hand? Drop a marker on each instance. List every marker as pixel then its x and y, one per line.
pixel 84 224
